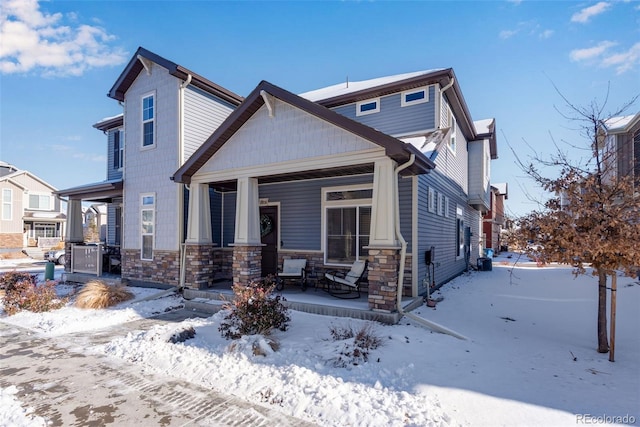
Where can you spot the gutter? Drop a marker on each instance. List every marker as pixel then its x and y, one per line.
pixel 403 256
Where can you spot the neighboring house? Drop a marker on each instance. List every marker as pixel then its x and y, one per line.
pixel 31 214
pixel 622 146
pixel 95 222
pixel 344 173
pixel 168 112
pixel 495 221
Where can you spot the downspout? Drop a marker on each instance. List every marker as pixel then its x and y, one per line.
pixel 183 248
pixel 448 86
pixel 403 256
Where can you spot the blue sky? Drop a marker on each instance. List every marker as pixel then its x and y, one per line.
pixel 58 59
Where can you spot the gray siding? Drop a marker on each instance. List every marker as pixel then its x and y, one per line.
pixel 203 113
pixel 393 119
pixel 437 230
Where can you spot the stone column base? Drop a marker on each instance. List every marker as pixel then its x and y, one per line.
pixel 247 263
pixel 383 278
pixel 198 268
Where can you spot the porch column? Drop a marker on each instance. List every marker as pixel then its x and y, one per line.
pixel 74 233
pixel 247 246
pixel 384 248
pixel 198 266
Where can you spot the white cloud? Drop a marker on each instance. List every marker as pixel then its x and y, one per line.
pixel 505 34
pixel 546 34
pixel 624 61
pixel 588 12
pixel 36 41
pixel 602 56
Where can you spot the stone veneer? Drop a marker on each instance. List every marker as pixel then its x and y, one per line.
pixel 383 278
pixel 199 266
pixel 247 263
pixel 164 268
pixel 11 240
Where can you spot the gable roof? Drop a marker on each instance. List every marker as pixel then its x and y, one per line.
pixel 10 177
pixel 621 124
pixel 135 66
pixel 394 148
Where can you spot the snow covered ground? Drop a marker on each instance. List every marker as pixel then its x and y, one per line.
pixel 529 359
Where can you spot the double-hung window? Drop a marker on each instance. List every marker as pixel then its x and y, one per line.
pixel 148 121
pixel 147 222
pixel 41 202
pixel 7 204
pixel 118 149
pixel 347 224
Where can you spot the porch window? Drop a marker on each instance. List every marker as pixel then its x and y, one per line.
pixel 148 121
pixel 40 202
pixel 347 224
pixel 7 204
pixel 147 221
pixel 44 230
pixel 118 149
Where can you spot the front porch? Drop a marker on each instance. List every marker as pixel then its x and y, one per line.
pixel 314 300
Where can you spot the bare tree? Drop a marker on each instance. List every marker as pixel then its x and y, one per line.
pixel 593 217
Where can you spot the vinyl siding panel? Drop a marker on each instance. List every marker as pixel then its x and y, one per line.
pixel 393 119
pixel 14 225
pixel 148 169
pixel 203 113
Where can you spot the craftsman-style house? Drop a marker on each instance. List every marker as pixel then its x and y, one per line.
pixel 393 171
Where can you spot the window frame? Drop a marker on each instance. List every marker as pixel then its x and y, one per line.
pixel 404 94
pixel 118 151
pixel 459 232
pixel 347 203
pixel 7 204
pixel 359 105
pixel 147 207
pixel 151 120
pixel 431 199
pixel 453 134
pixel 40 197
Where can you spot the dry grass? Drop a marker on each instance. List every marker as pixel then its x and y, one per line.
pixel 97 294
pixel 13 255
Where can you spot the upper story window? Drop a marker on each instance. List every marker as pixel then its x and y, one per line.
pixel 7 204
pixel 118 149
pixel 369 106
pixel 453 133
pixel 414 96
pixel 148 121
pixel 40 202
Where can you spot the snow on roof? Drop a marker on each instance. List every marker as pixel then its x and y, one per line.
pixel 501 187
pixel 483 126
pixel 349 87
pixel 620 122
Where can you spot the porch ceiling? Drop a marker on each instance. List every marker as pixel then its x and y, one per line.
pixel 103 192
pixel 231 185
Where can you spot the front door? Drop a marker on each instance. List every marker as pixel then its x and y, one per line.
pixel 269 236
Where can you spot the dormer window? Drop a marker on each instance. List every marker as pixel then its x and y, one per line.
pixel 148 121
pixel 369 106
pixel 414 96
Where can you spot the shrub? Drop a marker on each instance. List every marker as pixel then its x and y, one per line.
pixel 355 345
pixel 254 311
pixel 28 295
pixel 10 279
pixel 97 294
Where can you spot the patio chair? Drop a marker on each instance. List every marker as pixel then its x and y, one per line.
pixel 341 284
pixel 292 269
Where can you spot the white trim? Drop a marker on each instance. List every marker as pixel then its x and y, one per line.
pixel 39 194
pixel 431 199
pixel 153 120
pixel 403 95
pixel 142 208
pixel 453 134
pixel 414 235
pixel 339 203
pixel 359 105
pixel 9 203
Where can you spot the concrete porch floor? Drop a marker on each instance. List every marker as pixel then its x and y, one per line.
pixel 313 300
